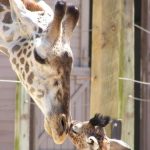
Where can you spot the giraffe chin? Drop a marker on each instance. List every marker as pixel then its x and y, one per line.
pixel 57 138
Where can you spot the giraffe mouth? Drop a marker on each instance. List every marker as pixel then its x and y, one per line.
pixel 57 129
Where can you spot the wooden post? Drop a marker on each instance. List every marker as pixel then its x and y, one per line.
pixel 22 118
pixel 112 57
pixel 126 88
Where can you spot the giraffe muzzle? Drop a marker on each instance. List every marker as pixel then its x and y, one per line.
pixel 57 127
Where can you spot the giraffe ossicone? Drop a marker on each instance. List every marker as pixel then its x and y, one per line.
pixel 38 47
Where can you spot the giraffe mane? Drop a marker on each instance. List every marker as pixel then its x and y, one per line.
pixel 30 4
pixel 99 120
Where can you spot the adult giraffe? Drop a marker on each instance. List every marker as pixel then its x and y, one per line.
pixel 38 46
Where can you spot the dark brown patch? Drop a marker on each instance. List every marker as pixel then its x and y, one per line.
pixel 27 67
pixel 25 51
pixel 14 60
pixel 66 58
pixel 22 40
pixel 25 44
pixel 23 75
pixel 16 48
pixel 5 28
pixel 7 18
pixel 41 94
pixel 29 54
pixel 19 54
pixel 37 36
pixel 59 70
pixel 22 60
pixel 29 47
pixel 56 83
pixel 40 30
pixel 30 78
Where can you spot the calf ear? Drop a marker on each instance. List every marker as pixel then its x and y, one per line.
pixel 99 120
pixel 118 145
pixel 93 143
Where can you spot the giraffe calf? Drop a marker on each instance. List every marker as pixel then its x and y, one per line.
pixel 90 135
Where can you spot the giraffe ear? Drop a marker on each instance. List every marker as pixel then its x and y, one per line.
pixel 93 142
pixel 118 144
pixel 99 120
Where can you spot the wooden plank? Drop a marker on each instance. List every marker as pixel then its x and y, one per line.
pixel 22 119
pixel 84 53
pixel 113 56
pixel 105 56
pixel 145 76
pixel 126 108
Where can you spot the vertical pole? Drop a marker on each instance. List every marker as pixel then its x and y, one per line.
pixel 22 119
pixel 105 56
pixel 112 57
pixel 126 69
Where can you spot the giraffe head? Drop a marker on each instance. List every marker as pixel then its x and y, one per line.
pixel 90 135
pixel 43 63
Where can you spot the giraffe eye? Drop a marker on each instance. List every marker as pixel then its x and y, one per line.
pixel 74 132
pixel 75 129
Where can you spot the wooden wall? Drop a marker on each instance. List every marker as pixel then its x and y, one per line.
pixel 7 105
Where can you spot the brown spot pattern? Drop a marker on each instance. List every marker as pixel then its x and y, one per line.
pixel 25 51
pixel 7 18
pixel 22 60
pixel 56 83
pixel 5 28
pixel 22 40
pixel 25 44
pixel 29 47
pixel 27 67
pixel 19 54
pixel 16 48
pixel 30 78
pixel 29 54
pixel 14 60
pixel 41 94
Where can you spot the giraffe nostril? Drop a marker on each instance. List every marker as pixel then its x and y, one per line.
pixel 63 123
